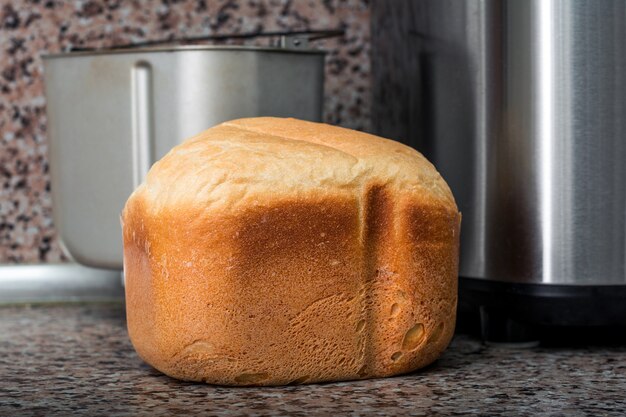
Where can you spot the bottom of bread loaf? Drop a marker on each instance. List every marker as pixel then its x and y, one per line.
pixel 196 363
pixel 332 339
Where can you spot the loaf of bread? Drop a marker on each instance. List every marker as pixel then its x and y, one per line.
pixel 270 251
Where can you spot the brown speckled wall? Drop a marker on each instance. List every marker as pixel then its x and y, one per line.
pixel 31 28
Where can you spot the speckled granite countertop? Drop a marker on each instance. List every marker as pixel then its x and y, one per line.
pixel 77 360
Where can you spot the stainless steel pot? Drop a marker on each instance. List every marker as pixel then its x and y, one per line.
pixel 523 106
pixel 112 114
pixel 529 127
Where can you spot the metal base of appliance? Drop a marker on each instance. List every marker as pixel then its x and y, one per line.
pixel 514 314
pixel 58 283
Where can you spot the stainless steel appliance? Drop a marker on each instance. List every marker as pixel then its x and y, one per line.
pixel 522 107
pixel 111 114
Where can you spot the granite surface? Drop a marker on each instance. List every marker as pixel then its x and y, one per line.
pixel 30 28
pixel 77 360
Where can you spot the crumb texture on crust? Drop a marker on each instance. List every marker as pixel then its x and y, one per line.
pixel 273 251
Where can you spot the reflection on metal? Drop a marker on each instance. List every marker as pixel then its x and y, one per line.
pixel 522 109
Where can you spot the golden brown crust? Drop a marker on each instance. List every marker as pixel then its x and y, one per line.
pixel 272 251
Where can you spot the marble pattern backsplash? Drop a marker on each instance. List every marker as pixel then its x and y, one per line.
pixel 30 28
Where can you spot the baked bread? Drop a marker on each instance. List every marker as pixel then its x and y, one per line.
pixel 270 251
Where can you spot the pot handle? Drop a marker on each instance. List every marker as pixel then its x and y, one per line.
pixel 142 116
pixel 288 40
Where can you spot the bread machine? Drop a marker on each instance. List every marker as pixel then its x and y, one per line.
pixel 112 113
pixel 521 105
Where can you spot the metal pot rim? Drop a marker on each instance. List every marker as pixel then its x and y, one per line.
pixel 185 48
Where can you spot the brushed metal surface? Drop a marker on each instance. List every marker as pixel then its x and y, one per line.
pixel 110 116
pixel 526 107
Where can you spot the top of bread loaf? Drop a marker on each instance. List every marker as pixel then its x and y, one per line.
pixel 237 160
